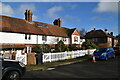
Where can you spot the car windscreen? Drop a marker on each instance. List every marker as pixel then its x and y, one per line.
pixel 101 50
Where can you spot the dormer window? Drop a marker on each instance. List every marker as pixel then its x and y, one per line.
pixel 39 25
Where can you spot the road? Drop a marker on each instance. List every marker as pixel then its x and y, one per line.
pixel 85 69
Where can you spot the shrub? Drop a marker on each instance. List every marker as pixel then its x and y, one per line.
pixel 118 44
pixel 41 48
pixel 88 44
pixel 72 47
pixel 37 49
pixel 60 46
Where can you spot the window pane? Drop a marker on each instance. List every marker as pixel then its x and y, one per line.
pixel 25 36
pixel 29 37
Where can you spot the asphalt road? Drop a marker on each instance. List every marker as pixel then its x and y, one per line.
pixel 85 69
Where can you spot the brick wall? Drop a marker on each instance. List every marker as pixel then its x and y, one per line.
pixel 31 59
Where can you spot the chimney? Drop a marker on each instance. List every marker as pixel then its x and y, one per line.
pixel 57 22
pixel 111 33
pixel 28 15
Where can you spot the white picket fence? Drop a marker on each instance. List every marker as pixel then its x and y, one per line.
pixel 50 57
pixel 21 58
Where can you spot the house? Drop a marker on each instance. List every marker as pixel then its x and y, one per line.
pixel 25 32
pixel 102 38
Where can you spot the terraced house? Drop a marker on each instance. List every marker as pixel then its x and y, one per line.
pixel 19 33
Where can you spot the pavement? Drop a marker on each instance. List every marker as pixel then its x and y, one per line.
pixel 86 69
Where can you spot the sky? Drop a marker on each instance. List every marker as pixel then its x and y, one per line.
pixel 87 15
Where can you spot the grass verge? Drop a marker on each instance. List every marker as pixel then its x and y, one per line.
pixel 55 64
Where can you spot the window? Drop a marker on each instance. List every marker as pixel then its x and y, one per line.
pixel 27 37
pixel 95 39
pixel 39 25
pixel 64 39
pixel 57 39
pixel 44 38
pixel 75 39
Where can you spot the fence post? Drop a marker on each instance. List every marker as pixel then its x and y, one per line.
pixel 25 58
pixel 43 58
pixel 50 54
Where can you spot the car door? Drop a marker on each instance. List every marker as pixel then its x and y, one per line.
pixel 109 52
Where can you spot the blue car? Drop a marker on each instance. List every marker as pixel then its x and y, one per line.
pixel 104 53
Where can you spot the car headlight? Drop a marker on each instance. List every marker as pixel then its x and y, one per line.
pixel 21 64
pixel 103 54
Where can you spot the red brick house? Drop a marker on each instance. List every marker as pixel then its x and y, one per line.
pixel 102 38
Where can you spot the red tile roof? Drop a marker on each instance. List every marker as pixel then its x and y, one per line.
pixel 11 24
pixel 98 34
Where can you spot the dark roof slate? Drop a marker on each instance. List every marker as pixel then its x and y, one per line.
pixel 97 34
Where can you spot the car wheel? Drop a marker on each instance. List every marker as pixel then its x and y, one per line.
pixel 13 75
pixel 106 58
pixel 114 56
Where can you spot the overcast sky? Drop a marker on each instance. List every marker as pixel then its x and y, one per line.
pixel 78 15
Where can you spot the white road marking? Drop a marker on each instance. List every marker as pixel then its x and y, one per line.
pixel 50 68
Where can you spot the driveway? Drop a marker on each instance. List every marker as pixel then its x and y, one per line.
pixel 85 69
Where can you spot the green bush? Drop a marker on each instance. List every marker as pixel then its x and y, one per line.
pixel 72 47
pixel 88 44
pixel 60 46
pixel 41 48
pixel 118 44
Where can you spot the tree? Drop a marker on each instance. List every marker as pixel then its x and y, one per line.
pixel 88 44
pixel 60 46
pixel 82 32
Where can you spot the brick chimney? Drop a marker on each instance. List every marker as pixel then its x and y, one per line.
pixel 57 22
pixel 28 15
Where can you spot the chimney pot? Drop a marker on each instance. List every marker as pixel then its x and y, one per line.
pixel 57 22
pixel 28 15
pixel 111 33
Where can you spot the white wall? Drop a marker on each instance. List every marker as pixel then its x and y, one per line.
pixel 17 38
pixel 73 42
pixel 52 40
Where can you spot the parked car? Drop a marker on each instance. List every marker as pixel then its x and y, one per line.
pixel 104 53
pixel 12 70
pixel 117 49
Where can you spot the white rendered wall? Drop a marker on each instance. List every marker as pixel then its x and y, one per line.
pixel 17 38
pixel 52 40
pixel 73 42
